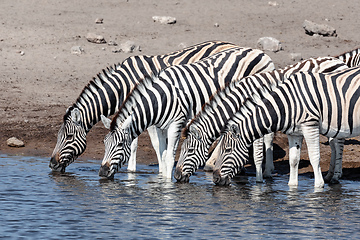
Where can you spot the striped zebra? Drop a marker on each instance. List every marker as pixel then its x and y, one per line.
pixel 304 105
pixel 351 58
pixel 206 127
pixel 163 107
pixel 106 92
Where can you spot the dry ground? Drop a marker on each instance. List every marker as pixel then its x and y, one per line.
pixel 40 78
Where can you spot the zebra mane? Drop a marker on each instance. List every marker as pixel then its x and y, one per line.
pixel 347 52
pixel 68 112
pixel 96 82
pixel 207 107
pixel 351 54
pixel 126 107
pixel 247 107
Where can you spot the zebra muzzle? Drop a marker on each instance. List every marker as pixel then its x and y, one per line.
pixel 106 172
pixel 220 180
pixel 56 165
pixel 180 176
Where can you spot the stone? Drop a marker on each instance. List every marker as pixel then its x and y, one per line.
pixel 99 21
pixel 77 50
pixel 127 47
pixel 273 3
pixel 14 142
pixel 312 28
pixel 164 19
pixel 269 44
pixel 94 38
pixel 112 43
pixel 296 57
pixel 182 45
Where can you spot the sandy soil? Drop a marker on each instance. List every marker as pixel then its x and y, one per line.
pixel 40 77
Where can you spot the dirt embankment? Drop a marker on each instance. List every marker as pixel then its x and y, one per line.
pixel 40 77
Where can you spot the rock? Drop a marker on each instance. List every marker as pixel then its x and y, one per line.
pixel 273 3
pixel 296 57
pixel 94 38
pixel 14 142
pixel 312 28
pixel 182 45
pixel 164 19
pixel 99 21
pixel 127 47
pixel 77 50
pixel 269 44
pixel 22 53
pixel 112 43
pixel 216 25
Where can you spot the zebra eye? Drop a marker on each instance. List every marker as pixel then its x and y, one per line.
pixel 69 136
pixel 228 150
pixel 120 144
pixel 191 150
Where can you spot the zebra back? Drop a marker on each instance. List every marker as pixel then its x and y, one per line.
pixel 351 58
pixel 200 80
pixel 209 123
pixel 328 103
pixel 225 102
pixel 197 80
pixel 106 92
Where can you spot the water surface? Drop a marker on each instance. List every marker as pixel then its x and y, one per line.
pixel 38 204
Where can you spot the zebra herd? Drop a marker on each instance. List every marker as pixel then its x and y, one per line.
pixel 216 92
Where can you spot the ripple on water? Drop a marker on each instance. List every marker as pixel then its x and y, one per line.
pixel 36 203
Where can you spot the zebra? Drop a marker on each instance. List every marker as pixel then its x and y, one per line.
pixel 351 58
pixel 106 92
pixel 198 81
pixel 305 105
pixel 206 127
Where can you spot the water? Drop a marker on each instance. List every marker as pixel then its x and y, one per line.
pixel 38 204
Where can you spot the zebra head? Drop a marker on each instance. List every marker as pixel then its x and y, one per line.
pixel 232 156
pixel 117 146
pixel 71 141
pixel 194 153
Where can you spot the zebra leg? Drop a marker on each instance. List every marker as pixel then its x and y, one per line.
pixel 132 160
pixel 311 134
pixel 158 141
pixel 335 169
pixel 174 133
pixel 330 173
pixel 269 164
pixel 258 158
pixel 295 142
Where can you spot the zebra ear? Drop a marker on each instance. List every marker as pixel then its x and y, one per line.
pixel 195 131
pixel 106 121
pixel 76 116
pixel 126 123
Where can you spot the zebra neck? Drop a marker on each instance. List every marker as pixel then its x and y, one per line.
pixel 226 103
pixel 267 115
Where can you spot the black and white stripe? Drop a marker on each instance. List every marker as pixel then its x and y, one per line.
pixel 168 111
pixel 206 127
pixel 351 58
pixel 106 92
pixel 305 104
